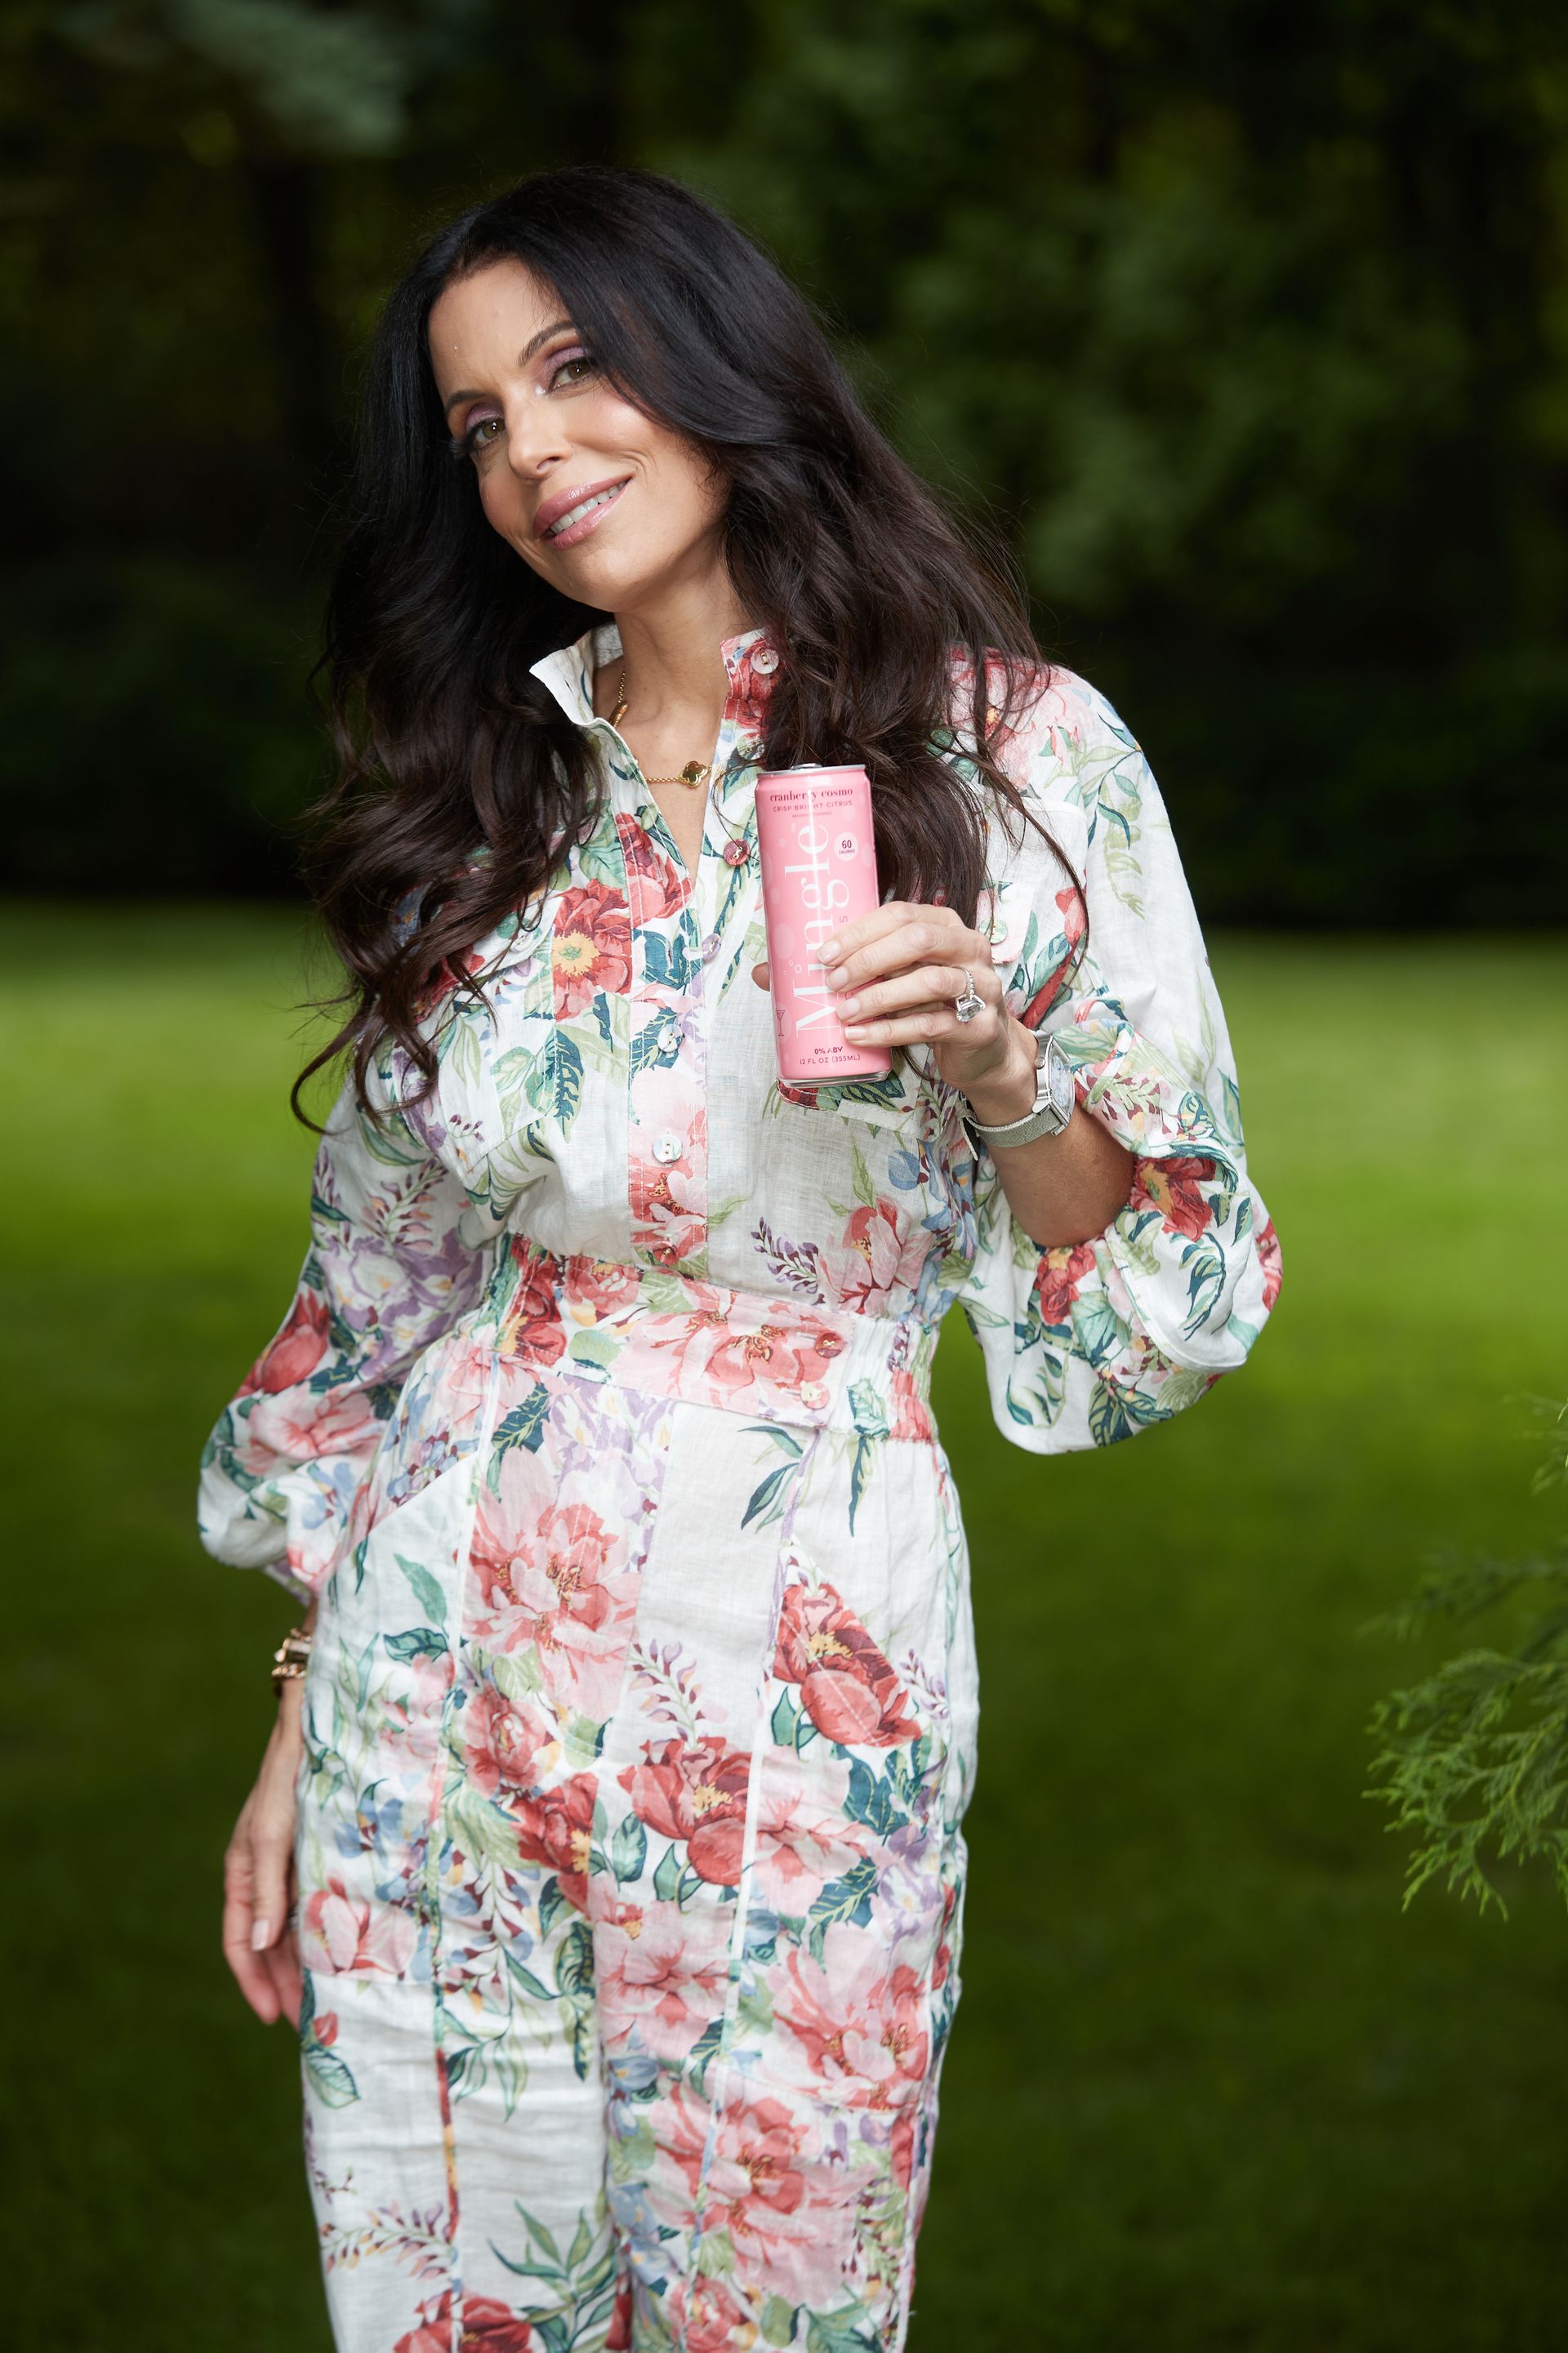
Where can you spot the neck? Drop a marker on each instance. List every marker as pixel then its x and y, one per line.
pixel 671 645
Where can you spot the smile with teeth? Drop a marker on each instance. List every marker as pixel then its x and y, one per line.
pixel 586 507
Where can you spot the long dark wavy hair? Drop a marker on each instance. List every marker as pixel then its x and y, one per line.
pixel 447 747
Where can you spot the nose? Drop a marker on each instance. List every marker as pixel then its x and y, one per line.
pixel 535 443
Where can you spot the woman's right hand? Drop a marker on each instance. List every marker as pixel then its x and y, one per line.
pixel 258 1940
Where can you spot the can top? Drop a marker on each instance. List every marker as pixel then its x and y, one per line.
pixel 819 769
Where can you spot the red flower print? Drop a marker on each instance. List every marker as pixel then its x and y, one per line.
pixel 488 2327
pixel 309 1428
pixel 763 2146
pixel 602 1284
pixel 1075 924
pixel 709 2318
pixel 620 2337
pixel 847 1686
pixel 296 1352
pixel 434 2334
pixel 343 1934
pixel 532 1332
pixel 694 1791
pixel 1270 1259
pixel 503 1746
pixel 1056 1284
pixel 875 1263
pixel 902 2146
pixel 556 1828
pixel 867 2036
pixel 447 976
pixel 1171 1186
pixel 660 1974
pixel 655 883
pixel 592 948
pixel 324 2026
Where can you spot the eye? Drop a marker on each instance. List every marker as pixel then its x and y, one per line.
pixel 569 367
pixel 470 443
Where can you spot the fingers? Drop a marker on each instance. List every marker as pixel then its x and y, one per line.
pixel 920 1004
pixel 762 975
pixel 257 1878
pixel 899 933
pixel 281 1962
pixel 251 1973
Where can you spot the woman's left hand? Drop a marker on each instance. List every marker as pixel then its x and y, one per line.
pixel 899 972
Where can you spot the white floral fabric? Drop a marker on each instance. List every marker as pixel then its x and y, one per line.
pixel 641 1721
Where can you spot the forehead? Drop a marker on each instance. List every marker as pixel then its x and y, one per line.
pixel 480 323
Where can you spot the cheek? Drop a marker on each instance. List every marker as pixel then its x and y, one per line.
pixel 499 497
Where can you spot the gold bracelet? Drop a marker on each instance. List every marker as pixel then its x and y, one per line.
pixel 292 1658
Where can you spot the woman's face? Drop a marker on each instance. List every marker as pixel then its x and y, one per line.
pixel 609 506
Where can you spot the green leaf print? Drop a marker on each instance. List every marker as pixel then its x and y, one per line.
pixel 785 1720
pixel 330 2076
pixel 778 2321
pixel 523 1426
pixel 859 1471
pixel 666 1878
pixel 1206 1279
pixel 767 1498
pixel 541 2237
pixel 656 1047
pixel 871 1800
pixel 888 1091
pixel 628 1849
pixel 511 2075
pixel 535 1988
pixel 841 2334
pixel 1098 1328
pixel 583 2027
pixel 847 1899
pixel 703 2053
pixel 574 1969
pixel 419 1642
pixel 860 1178
pixel 551 1904
pixel 666 961
pixel 426 1592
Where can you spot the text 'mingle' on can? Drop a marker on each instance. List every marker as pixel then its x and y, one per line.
pixel 818 857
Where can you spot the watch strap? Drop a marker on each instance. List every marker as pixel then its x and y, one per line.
pixel 1049 1116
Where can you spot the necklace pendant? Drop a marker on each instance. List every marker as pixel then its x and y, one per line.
pixel 695 772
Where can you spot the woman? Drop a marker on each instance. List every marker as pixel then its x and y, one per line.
pixel 622 1915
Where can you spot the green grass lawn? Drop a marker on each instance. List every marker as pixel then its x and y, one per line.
pixel 1208 2087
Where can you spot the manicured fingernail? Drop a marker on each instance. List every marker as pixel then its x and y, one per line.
pixel 830 949
pixel 261 1935
pixel 837 977
pixel 855 1029
pixel 848 1005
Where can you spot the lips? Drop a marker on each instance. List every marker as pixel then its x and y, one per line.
pixel 569 510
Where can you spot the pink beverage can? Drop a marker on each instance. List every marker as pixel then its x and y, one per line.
pixel 818 854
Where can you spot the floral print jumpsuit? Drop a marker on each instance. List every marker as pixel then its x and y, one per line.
pixel 641 1719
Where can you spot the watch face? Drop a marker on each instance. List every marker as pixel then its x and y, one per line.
pixel 1059 1081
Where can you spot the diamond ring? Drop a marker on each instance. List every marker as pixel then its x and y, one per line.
pixel 970 1003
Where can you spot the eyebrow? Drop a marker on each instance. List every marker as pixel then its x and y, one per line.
pixel 534 343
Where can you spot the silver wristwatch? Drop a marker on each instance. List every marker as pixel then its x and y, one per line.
pixel 1055 1098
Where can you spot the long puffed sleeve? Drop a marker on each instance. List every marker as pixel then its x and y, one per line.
pixel 386 1274
pixel 1086 1344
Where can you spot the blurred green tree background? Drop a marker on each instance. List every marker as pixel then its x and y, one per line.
pixel 1248 326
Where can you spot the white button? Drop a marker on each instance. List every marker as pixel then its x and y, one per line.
pixel 813 1394
pixel 765 661
pixel 710 947
pixel 666 1147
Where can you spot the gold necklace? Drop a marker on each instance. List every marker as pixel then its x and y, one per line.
pixel 695 772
